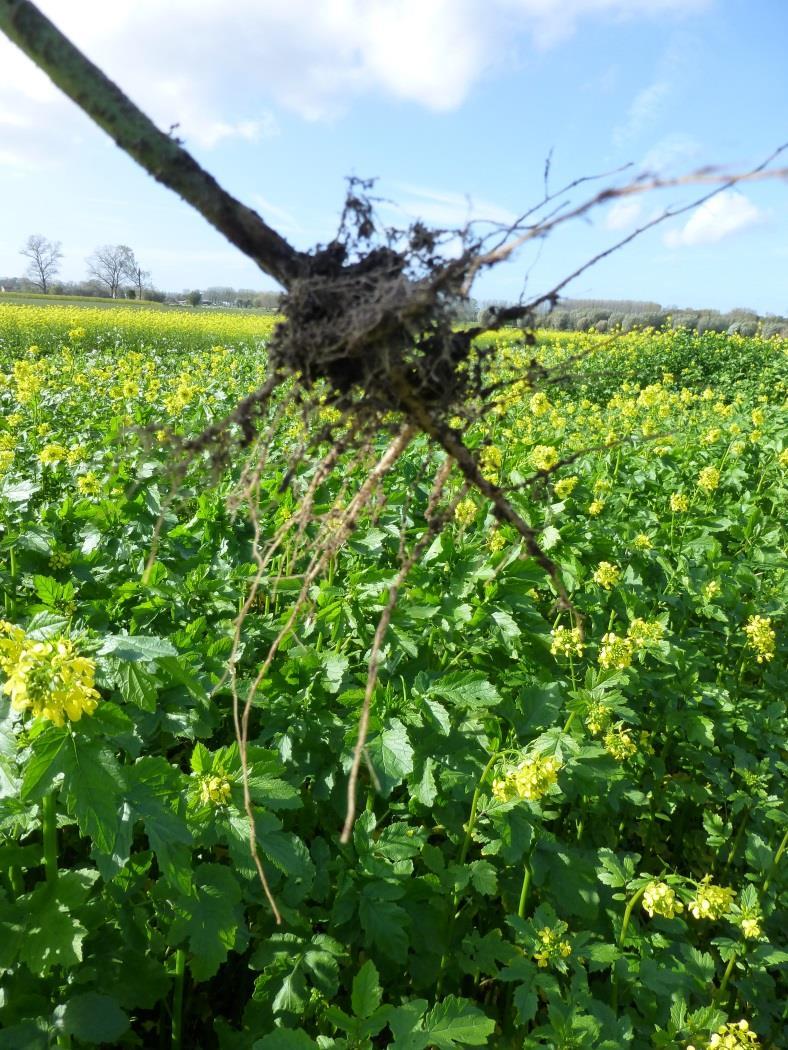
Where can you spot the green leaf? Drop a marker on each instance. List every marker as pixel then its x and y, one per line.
pixel 385 925
pixel 92 786
pixel 210 919
pixel 391 755
pixel 470 689
pixel 46 625
pixel 285 1039
pixel 484 878
pixel 291 997
pixel 367 993
pixel 53 937
pixel 136 647
pixel 50 755
pixel 457 1022
pixel 29 1035
pixel 93 1018
pixel 136 685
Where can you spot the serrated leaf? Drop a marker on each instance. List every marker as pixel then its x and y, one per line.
pixel 470 689
pixel 53 937
pixel 367 993
pixel 209 919
pixel 92 787
pixel 484 878
pixel 136 685
pixel 136 647
pixel 391 756
pixel 50 755
pixel 457 1022
pixel 385 926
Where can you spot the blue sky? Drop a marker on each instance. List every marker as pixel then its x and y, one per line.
pixel 452 104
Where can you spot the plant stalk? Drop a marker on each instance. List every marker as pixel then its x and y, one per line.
pixel 49 833
pixel 177 999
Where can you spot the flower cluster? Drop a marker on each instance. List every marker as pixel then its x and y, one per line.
pixel 642 542
pixel 567 641
pixel 47 676
pixel 532 779
pixel 597 717
pixel 566 486
pixel 465 512
pixel 679 503
pixel 760 637
pixel 736 1035
pixel 660 899
pixel 552 946
pixel 606 575
pixel 711 902
pixel 618 742
pixel 213 790
pixel 709 479
pixel 615 652
pixel 543 457
pixel 643 633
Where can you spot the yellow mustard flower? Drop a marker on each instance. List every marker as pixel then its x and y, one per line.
pixel 566 641
pixel 606 575
pixel 552 946
pixel 660 899
pixel 529 780
pixel 615 652
pixel 214 790
pixel 48 677
pixel 760 637
pixel 710 901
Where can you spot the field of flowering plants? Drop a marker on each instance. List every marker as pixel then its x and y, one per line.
pixel 571 829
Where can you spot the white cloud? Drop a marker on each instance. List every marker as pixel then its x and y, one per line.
pixel 209 65
pixel 728 213
pixel 624 214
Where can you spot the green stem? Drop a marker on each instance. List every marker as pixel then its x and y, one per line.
pixel 15 880
pixel 177 999
pixel 777 857
pixel 628 914
pixel 474 806
pixel 525 888
pixel 461 860
pixel 727 975
pixel 736 841
pixel 624 926
pixel 49 831
pixel 569 722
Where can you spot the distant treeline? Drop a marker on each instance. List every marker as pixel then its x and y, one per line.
pixel 603 315
pixel 218 296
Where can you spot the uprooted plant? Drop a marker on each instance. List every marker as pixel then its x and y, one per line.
pixel 368 346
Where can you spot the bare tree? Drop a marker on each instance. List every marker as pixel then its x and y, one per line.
pixel 141 278
pixel 111 265
pixel 44 256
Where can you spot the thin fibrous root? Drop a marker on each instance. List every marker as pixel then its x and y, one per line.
pixel 435 525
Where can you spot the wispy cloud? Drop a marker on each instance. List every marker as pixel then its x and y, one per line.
pixel 623 215
pixel 446 209
pixel 728 213
pixel 670 152
pixel 646 107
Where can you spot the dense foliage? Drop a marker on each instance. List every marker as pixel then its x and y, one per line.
pixel 573 832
